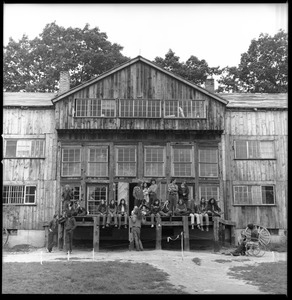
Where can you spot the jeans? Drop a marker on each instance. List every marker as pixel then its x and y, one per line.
pixel 136 236
pixel 157 219
pixel 206 216
pixel 198 219
pixel 172 200
pixel 110 216
pixel 103 219
pixel 69 240
pixel 51 242
pixel 120 219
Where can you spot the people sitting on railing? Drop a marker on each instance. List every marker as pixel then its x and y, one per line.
pixel 122 212
pixel 112 213
pixel 101 212
pixel 203 213
pixel 165 210
pixel 195 213
pixel 155 212
pixel 181 208
pixel 213 209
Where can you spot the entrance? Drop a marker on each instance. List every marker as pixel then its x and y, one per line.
pixel 131 197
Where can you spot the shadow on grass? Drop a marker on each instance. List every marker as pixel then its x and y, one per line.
pixel 75 277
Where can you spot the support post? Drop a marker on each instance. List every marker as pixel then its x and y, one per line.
pixel 131 239
pixel 232 233
pixel 95 235
pixel 158 237
pixel 186 233
pixel 216 233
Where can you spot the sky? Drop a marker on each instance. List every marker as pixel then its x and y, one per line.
pixel 217 33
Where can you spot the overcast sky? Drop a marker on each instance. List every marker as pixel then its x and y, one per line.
pixel 218 33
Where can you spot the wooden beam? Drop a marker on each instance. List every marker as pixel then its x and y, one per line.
pixel 216 234
pixel 158 237
pixel 186 233
pixel 95 235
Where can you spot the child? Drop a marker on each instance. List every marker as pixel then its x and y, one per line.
pixel 122 211
pixel 165 210
pixel 152 190
pixel 155 212
pixel 183 192
pixel 112 213
pixel 203 213
pixel 195 212
pixel 101 211
pixel 172 193
pixel 136 227
pixel 70 225
pixel 53 231
pixel 181 208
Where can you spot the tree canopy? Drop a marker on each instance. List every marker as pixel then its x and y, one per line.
pixel 262 69
pixel 35 65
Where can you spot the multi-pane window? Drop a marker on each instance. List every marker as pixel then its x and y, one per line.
pixel 182 162
pixel 98 161
pixel 140 108
pixel 95 108
pixel 254 194
pixel 71 162
pixel 95 194
pixel 126 161
pixel 209 191
pixel 154 161
pixel 208 163
pixel 19 194
pixel 25 148
pixel 254 149
pixel 184 109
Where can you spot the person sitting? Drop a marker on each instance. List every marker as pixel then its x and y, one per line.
pixel 195 213
pixel 155 212
pixel 165 210
pixel 203 213
pixel 181 208
pixel 101 212
pixel 122 212
pixel 213 209
pixel 80 210
pixel 241 249
pixel 112 213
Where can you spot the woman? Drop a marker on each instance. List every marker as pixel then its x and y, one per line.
pixel 122 212
pixel 203 213
pixel 195 213
pixel 172 193
pixel 155 212
pixel 152 191
pixel 112 213
pixel 145 194
pixel 181 209
pixel 183 192
pixel 101 212
pixel 165 210
pixel 213 209
pixel 136 228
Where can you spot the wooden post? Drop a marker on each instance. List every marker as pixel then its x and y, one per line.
pixel 158 237
pixel 131 239
pixel 186 233
pixel 232 233
pixel 95 235
pixel 216 233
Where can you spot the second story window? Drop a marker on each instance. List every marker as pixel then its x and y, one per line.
pixel 182 161
pixel 184 109
pixel 126 158
pixel 208 163
pixel 140 108
pixel 254 149
pixel 71 162
pixel 154 161
pixel 95 108
pixel 98 161
pixel 27 148
pixel 19 194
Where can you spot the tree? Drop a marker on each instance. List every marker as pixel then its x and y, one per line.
pixel 34 66
pixel 262 69
pixel 193 69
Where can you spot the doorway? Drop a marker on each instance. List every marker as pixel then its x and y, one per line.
pixel 131 197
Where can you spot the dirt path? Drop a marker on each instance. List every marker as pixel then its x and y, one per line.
pixel 193 278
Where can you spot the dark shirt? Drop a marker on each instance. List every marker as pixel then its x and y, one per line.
pixel 70 224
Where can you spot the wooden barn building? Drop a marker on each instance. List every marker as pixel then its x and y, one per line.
pixel 137 122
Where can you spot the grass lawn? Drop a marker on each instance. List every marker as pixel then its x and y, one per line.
pixel 75 277
pixel 269 277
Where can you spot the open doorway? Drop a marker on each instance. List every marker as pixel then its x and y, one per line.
pixel 131 197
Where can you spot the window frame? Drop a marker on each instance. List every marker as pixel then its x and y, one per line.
pixel 26 139
pixel 62 162
pixel 192 163
pixel 180 103
pixel 207 163
pixel 94 162
pixel 163 161
pixel 117 147
pixel 258 149
pixel 148 115
pixel 96 201
pixel 209 185
pixel 24 196
pixel 252 194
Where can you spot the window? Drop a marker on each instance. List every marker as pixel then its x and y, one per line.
pixel 95 108
pixel 254 149
pixel 182 161
pixel 208 163
pixel 98 161
pixel 95 194
pixel 209 191
pixel 25 148
pixel 154 161
pixel 140 108
pixel 71 162
pixel 19 194
pixel 254 194
pixel 184 109
pixel 126 161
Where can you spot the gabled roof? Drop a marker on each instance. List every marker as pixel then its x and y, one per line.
pixel 256 100
pixel 128 63
pixel 28 99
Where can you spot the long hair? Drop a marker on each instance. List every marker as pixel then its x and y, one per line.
pixel 215 203
pixel 112 204
pixel 125 204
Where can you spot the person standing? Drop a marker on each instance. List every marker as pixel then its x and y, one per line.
pixel 145 194
pixel 138 194
pixel 152 191
pixel 172 193
pixel 183 192
pixel 67 196
pixel 122 211
pixel 112 213
pixel 136 218
pixel 53 232
pixel 70 225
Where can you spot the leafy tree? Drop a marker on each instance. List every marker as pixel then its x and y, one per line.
pixel 193 69
pixel 34 66
pixel 262 69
